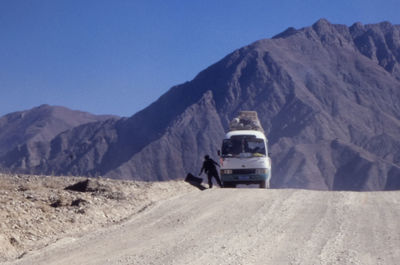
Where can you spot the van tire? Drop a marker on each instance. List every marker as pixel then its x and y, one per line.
pixel 264 184
pixel 229 185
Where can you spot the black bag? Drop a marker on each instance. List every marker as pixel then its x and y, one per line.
pixel 192 179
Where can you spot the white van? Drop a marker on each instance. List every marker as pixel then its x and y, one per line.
pixel 244 155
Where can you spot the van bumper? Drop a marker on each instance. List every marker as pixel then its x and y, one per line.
pixel 245 179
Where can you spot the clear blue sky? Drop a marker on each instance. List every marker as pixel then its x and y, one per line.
pixel 118 56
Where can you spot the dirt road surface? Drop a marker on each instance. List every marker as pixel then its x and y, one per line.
pixel 245 226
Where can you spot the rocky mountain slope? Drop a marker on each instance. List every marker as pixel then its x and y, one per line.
pixel 40 124
pixel 328 97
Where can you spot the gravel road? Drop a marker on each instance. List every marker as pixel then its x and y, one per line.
pixel 245 226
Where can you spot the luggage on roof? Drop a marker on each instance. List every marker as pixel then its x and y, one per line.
pixel 247 120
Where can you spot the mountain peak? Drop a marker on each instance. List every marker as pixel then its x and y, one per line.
pixel 322 21
pixel 286 33
pixel 40 123
pixel 357 28
pixel 42 106
pixel 322 26
pixel 327 97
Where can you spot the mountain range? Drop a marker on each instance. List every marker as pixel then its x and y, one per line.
pixel 42 123
pixel 328 97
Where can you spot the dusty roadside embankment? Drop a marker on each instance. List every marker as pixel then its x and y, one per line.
pixel 36 211
pixel 245 226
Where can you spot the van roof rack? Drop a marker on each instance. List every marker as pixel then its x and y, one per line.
pixel 247 120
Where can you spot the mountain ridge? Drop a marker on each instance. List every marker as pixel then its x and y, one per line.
pixel 327 96
pixel 40 123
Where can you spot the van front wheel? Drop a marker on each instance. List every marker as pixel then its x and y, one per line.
pixel 264 184
pixel 229 185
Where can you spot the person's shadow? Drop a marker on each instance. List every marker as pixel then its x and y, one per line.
pixel 194 181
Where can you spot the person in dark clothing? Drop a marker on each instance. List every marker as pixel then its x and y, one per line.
pixel 211 171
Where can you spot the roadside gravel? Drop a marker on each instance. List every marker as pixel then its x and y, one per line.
pixel 37 211
pixel 245 226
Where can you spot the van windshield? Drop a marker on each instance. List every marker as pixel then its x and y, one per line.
pixel 247 145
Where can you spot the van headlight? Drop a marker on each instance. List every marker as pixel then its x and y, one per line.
pixel 261 171
pixel 226 171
